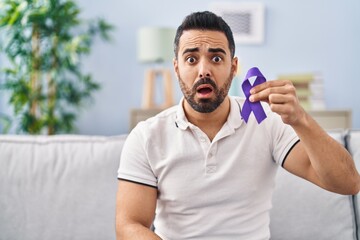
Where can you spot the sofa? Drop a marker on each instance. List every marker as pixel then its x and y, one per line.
pixel 64 187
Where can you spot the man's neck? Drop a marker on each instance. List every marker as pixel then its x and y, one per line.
pixel 209 123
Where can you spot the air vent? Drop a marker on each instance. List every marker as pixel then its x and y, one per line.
pixel 245 19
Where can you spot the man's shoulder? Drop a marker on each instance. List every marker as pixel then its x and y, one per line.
pixel 159 121
pixel 168 114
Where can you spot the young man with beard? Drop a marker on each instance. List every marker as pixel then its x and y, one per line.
pixel 204 171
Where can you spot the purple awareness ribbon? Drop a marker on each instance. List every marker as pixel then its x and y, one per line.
pixel 254 107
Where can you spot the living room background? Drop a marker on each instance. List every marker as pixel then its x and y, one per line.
pixel 301 36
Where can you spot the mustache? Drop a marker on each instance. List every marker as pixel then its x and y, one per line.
pixel 204 81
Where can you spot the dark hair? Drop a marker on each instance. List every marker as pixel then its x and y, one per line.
pixel 204 21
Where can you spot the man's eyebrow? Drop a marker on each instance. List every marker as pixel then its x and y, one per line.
pixel 215 50
pixel 212 50
pixel 191 50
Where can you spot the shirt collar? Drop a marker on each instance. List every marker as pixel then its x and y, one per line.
pixel 234 119
pixel 181 120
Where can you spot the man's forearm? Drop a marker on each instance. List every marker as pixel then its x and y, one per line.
pixel 331 162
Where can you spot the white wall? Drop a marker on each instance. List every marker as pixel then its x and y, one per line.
pixel 301 36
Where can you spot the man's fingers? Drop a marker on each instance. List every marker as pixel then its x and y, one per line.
pixel 265 94
pixel 269 84
pixel 263 91
pixel 279 98
pixel 282 99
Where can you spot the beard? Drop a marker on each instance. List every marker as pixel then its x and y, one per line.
pixel 206 105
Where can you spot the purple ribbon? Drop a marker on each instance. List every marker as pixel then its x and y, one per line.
pixel 254 107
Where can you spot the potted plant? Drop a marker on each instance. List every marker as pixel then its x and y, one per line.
pixel 44 41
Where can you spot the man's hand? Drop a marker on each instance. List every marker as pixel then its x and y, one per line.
pixel 281 96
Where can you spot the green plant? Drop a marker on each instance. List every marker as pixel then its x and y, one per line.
pixel 44 41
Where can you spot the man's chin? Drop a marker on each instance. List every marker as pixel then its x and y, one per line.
pixel 204 106
pixel 204 100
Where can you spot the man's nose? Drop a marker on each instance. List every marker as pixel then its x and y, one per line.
pixel 204 70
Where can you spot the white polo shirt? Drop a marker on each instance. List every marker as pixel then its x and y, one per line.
pixel 208 190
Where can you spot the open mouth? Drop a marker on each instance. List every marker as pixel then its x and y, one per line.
pixel 204 90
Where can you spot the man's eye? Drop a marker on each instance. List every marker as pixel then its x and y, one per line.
pixel 217 59
pixel 190 59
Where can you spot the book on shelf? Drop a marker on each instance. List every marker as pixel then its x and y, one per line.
pixel 309 89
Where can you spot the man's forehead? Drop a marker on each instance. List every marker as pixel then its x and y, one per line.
pixel 198 38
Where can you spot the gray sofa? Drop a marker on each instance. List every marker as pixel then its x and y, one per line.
pixel 64 187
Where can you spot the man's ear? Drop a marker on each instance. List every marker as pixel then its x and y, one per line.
pixel 234 66
pixel 176 67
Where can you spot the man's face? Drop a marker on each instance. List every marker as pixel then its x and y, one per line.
pixel 204 68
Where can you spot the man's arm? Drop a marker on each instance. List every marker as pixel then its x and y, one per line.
pixel 317 157
pixel 135 211
pixel 322 160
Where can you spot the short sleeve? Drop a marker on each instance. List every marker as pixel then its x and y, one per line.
pixel 283 136
pixel 134 164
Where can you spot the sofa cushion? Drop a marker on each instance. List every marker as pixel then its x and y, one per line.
pixel 302 210
pixel 80 170
pixel 353 144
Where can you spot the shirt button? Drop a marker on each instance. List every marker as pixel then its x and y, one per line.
pixel 211 155
pixel 202 139
pixel 211 169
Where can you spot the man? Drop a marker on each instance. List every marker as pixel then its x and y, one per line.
pixel 205 172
